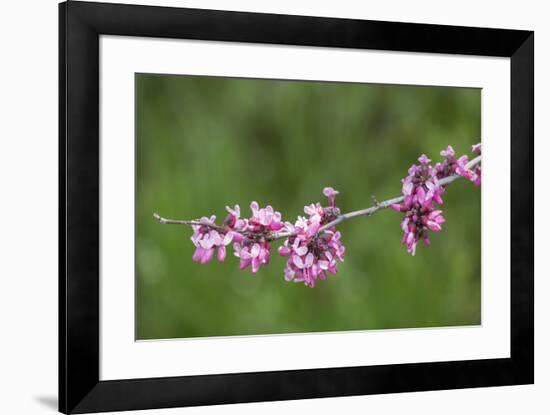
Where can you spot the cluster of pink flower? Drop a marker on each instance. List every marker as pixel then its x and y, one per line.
pixel 422 189
pixel 250 237
pixel 311 254
pixel 451 165
pixel 253 250
pixel 312 248
pixel 207 237
pixel 476 149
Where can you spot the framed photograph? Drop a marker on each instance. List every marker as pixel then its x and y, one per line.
pixel 259 207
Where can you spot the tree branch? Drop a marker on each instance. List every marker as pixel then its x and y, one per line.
pixel 164 221
pixel 343 217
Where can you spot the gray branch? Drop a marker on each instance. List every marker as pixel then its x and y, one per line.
pixel 164 221
pixel 343 217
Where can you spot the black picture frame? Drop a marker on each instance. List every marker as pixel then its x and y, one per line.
pixel 80 26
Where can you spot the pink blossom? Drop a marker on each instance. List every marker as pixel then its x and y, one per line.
pixel 451 165
pixel 421 186
pixel 423 159
pixel 316 214
pixel 264 219
pixel 448 152
pixel 477 178
pixel 473 175
pixel 254 248
pixel 461 168
pixel 233 219
pixel 476 148
pixel 422 190
pixel 252 253
pixel 312 254
pixel 331 194
pixel 206 240
pixel 311 258
pixel 415 226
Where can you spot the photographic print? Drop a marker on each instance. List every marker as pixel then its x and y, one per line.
pixel 286 206
pixel 248 185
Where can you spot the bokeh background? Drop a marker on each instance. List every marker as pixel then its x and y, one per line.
pixel 205 142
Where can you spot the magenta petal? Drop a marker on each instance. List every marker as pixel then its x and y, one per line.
pixel 309 260
pixel 408 188
pixel 227 239
pixel 424 159
pixel 396 207
pixel 255 251
pixel 421 194
pixel 208 254
pixel 244 263
pixel 405 224
pixel 284 251
pixel 314 270
pixel 244 253
pixel 221 253
pixel 434 213
pixel 427 204
pixel 298 262
pixel 434 226
pixel 199 252
pixel 330 192
pixel 410 238
pixel 313 228
pixel 323 264
pixel 289 274
pixel 238 237
pixel 255 265
pixel 264 255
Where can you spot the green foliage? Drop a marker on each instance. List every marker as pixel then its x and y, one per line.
pixel 203 143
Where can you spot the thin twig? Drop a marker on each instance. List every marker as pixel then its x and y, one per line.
pixel 164 221
pixel 343 217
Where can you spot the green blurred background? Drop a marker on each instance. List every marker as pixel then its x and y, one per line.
pixel 205 142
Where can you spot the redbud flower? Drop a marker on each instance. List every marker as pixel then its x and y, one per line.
pixel 264 219
pixel 254 248
pixel 423 159
pixel 420 216
pixel 421 189
pixel 458 166
pixel 331 194
pixel 233 219
pixel 313 254
pixel 461 168
pixel 476 148
pixel 252 253
pixel 449 152
pixel 207 239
